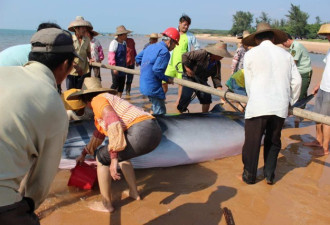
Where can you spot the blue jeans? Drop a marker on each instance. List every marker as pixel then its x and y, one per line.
pixel 158 105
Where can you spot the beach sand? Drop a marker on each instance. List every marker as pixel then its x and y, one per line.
pixel 197 194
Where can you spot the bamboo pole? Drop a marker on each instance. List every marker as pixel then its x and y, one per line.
pixel 319 118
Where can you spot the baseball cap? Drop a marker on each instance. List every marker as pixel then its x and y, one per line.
pixel 53 40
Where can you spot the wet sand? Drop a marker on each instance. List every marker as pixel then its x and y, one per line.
pixel 196 194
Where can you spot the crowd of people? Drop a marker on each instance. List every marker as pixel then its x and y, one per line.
pixel 35 118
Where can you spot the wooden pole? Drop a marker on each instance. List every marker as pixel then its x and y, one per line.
pixel 319 118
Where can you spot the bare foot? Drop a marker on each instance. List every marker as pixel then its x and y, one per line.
pixel 132 194
pixel 239 176
pixel 312 144
pixel 320 152
pixel 101 207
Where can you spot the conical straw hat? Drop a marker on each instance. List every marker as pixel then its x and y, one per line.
pixel 324 29
pixel 79 22
pixel 219 49
pixel 90 85
pixel 279 36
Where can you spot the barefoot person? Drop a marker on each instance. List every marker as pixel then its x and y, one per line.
pixel 131 132
pixel 272 82
pixel 34 125
pixel 322 102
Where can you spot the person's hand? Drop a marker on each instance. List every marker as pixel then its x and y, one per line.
pixel 80 159
pixel 170 80
pixel 113 169
pixel 115 72
pixel 189 72
pixel 316 89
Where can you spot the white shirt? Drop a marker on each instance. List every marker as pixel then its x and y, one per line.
pixel 33 130
pixel 325 82
pixel 272 81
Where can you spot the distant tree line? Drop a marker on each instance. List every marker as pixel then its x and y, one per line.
pixel 294 24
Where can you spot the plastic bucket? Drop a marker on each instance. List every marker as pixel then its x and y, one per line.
pixel 83 176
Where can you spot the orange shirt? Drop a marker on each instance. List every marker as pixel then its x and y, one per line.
pixel 127 113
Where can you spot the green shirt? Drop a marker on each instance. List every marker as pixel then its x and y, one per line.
pixel 301 56
pixel 177 57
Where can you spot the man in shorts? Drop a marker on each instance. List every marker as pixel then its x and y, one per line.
pixel 322 103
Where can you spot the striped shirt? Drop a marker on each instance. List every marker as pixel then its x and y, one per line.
pixel 127 113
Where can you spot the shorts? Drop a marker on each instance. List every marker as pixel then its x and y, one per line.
pixel 322 103
pixel 141 138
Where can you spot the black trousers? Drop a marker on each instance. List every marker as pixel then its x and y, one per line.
pixel 118 81
pixel 19 213
pixel 255 127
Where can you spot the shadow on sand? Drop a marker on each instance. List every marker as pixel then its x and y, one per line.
pixel 171 180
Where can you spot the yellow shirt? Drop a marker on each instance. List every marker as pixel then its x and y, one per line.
pixel 82 49
pixel 34 127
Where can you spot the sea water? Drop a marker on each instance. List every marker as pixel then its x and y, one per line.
pixel 10 37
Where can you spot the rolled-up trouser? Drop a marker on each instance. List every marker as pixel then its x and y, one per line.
pixel 19 213
pixel 141 138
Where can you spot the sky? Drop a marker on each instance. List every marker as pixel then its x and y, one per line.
pixel 146 16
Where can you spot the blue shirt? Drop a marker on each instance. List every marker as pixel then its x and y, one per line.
pixel 153 61
pixel 17 55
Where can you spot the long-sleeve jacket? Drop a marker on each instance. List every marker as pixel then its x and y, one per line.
pixel 272 81
pixel 34 127
pixel 131 52
pixel 200 63
pixel 153 61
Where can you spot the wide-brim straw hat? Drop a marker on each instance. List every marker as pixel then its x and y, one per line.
pixel 219 49
pixel 244 35
pixel 154 35
pixel 122 30
pixel 324 29
pixel 79 22
pixel 90 85
pixel 75 104
pixel 94 33
pixel 279 36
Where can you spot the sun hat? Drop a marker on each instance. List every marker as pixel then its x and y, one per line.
pixel 324 29
pixel 279 36
pixel 79 22
pixel 244 35
pixel 53 40
pixel 94 33
pixel 75 104
pixel 90 85
pixel 122 30
pixel 154 35
pixel 219 49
